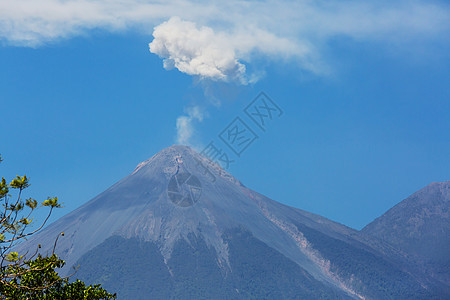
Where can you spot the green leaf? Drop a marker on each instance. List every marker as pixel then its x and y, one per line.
pixel 25 221
pixel 52 202
pixel 3 188
pixel 13 256
pixel 31 203
pixel 20 182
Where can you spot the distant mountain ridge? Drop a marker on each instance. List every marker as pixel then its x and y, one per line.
pixel 180 227
pixel 420 227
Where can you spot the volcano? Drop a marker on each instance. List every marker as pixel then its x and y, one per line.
pixel 420 226
pixel 180 227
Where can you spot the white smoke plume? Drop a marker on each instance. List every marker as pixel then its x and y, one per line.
pixel 197 51
pixel 297 32
pixel 185 124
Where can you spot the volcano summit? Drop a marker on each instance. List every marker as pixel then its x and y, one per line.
pixel 180 227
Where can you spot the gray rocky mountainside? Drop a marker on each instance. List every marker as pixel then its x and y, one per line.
pixel 420 227
pixel 180 227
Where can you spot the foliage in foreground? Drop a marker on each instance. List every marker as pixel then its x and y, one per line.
pixel 33 277
pixel 44 283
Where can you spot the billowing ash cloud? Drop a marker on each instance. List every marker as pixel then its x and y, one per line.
pixel 185 124
pixel 197 51
pixel 297 32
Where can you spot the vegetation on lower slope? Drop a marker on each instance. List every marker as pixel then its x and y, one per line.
pixel 136 270
pixel 369 274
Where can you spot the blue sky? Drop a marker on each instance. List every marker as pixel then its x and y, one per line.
pixel 365 91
